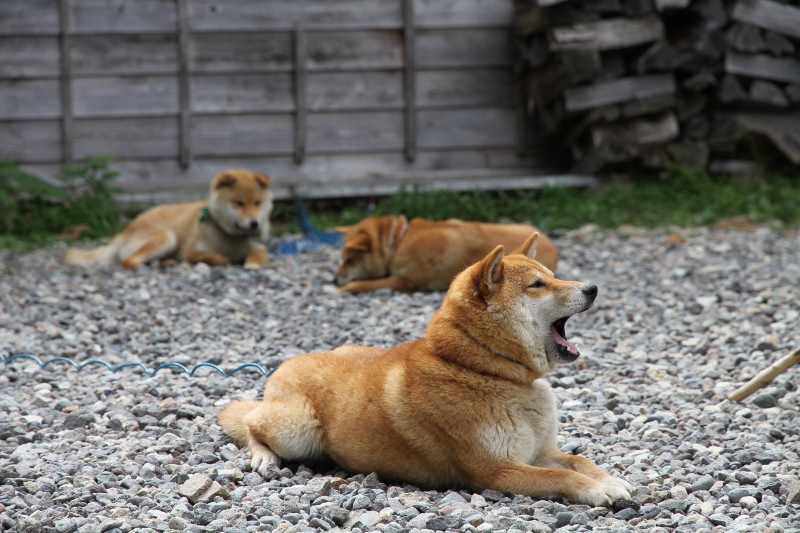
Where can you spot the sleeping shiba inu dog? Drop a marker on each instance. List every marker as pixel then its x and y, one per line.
pixel 229 228
pixel 464 406
pixel 387 252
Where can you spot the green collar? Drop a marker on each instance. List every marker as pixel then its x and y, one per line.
pixel 205 215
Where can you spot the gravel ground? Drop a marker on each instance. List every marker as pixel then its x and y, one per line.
pixel 682 318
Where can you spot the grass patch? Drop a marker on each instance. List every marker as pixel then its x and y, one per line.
pixel 678 196
pixel 35 212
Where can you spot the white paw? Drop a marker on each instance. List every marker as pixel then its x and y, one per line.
pixel 263 458
pixel 605 493
pixel 252 266
pixel 621 482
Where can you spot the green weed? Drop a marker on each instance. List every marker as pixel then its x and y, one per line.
pixel 680 196
pixel 33 210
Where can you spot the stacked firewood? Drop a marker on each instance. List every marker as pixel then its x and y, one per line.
pixel 660 81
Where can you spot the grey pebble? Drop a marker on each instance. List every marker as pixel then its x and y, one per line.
pixel 645 401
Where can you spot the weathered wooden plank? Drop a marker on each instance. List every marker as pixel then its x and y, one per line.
pixel 355 132
pixel 213 15
pixel 355 50
pixel 219 52
pixel 31 141
pixel 127 138
pixel 26 57
pixel 184 88
pixel 745 38
pixel 246 135
pixel 67 138
pixel 456 88
pixel 623 141
pixel 231 52
pixel 410 79
pixel 618 91
pixel 608 34
pixel 661 5
pixel 325 91
pixel 242 93
pixel 763 66
pixel 546 3
pixel 462 13
pixel 782 128
pixel 464 48
pixel 781 18
pixel 462 128
pixel 165 180
pixel 102 55
pixel 766 92
pixel 29 99
pixel 119 97
pixel 29 17
pixel 338 91
pixel 300 111
pixel 123 16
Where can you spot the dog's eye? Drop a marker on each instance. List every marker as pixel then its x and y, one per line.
pixel 258 203
pixel 240 204
pixel 536 285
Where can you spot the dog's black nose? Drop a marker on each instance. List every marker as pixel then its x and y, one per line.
pixel 590 290
pixel 254 224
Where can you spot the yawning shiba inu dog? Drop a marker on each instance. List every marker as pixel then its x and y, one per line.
pixel 230 227
pixel 463 406
pixel 387 252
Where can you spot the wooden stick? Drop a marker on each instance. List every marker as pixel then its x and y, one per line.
pixel 766 376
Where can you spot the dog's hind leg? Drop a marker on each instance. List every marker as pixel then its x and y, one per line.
pixel 276 428
pixel 139 252
pixel 395 283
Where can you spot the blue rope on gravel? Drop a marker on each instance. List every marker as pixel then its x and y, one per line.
pixel 115 369
pixel 312 238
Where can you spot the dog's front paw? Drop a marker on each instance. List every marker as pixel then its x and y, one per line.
pixel 252 266
pixel 604 493
pixel 611 480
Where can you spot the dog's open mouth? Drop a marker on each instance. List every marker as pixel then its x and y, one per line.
pixel 566 350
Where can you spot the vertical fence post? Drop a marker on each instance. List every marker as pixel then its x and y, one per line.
pixel 67 134
pixel 521 110
pixel 300 53
pixel 183 80
pixel 410 80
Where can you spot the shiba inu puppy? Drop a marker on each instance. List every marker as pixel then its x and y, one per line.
pixel 464 406
pixel 229 228
pixel 388 252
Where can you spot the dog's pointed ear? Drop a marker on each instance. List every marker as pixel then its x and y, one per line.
pixel 528 248
pixel 344 229
pixel 360 242
pixel 402 220
pixel 263 180
pixel 224 180
pixel 491 270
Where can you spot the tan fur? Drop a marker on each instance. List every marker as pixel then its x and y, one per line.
pixel 378 253
pixel 239 203
pixel 463 406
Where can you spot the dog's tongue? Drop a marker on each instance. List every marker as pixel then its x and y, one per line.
pixel 563 342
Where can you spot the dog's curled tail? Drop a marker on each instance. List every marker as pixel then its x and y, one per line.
pixel 104 255
pixel 232 420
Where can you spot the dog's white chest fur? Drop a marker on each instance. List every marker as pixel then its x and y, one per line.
pixel 525 428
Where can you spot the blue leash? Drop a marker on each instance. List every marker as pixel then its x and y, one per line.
pixel 312 238
pixel 115 369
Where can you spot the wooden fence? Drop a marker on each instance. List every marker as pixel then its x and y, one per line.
pixel 338 97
